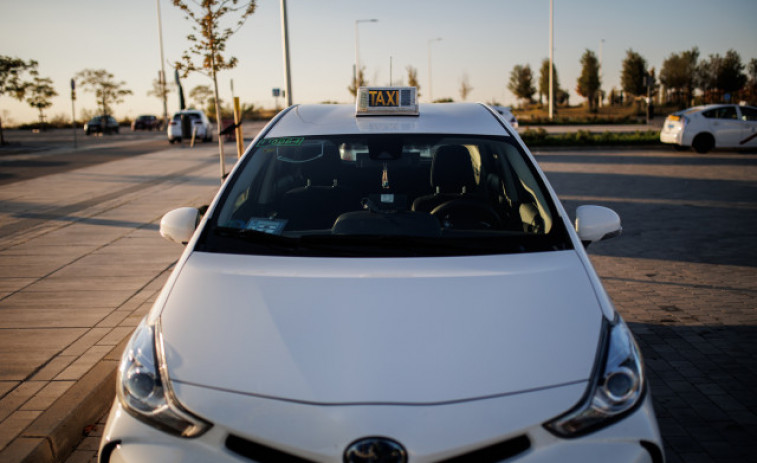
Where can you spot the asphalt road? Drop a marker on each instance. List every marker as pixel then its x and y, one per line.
pixel 19 168
pixel 29 154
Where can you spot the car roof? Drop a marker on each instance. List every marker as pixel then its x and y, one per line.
pixel 329 119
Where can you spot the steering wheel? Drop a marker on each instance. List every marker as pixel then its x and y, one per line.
pixel 467 214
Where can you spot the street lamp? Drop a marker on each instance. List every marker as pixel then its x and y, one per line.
pixel 430 92
pixel 285 43
pixel 601 71
pixel 162 66
pixel 357 48
pixel 551 60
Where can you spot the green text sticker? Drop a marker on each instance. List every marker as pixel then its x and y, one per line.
pixel 281 141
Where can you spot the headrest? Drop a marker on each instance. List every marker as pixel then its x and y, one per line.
pixel 452 169
pixel 323 170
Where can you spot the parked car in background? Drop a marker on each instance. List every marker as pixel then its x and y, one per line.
pixel 712 126
pixel 198 122
pixel 95 125
pixel 146 122
pixel 507 114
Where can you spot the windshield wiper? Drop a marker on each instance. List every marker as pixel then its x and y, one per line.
pixel 364 245
pixel 267 240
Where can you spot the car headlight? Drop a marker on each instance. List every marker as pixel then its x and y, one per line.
pixel 616 389
pixel 144 392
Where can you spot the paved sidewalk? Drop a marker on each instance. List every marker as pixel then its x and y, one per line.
pixel 81 262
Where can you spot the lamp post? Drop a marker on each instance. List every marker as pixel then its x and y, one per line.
pixel 601 71
pixel 551 61
pixel 162 67
pixel 357 48
pixel 430 91
pixel 285 40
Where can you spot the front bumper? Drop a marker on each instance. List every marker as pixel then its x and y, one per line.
pixel 429 433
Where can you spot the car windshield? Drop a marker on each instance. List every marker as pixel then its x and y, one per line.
pixel 385 195
pixel 177 116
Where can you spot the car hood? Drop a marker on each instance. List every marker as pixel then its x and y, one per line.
pixel 406 330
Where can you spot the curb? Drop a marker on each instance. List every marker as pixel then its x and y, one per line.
pixel 53 436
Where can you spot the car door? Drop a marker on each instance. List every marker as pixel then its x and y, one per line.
pixel 749 119
pixel 725 126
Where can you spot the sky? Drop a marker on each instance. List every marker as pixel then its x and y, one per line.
pixel 481 41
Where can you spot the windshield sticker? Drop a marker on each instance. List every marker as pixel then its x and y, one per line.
pixel 282 141
pixel 270 226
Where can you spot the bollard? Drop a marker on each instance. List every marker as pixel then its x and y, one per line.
pixel 194 134
pixel 238 129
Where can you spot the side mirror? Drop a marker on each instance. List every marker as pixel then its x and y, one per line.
pixel 179 224
pixel 596 223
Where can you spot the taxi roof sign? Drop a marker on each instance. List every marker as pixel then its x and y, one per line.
pixel 387 101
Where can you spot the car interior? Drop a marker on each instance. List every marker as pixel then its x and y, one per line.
pixel 419 186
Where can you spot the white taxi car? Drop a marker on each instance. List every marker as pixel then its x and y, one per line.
pixel 386 282
pixel 712 126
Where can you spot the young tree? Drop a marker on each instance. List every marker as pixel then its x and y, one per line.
pixel 721 75
pixel 731 77
pixel 361 82
pixel 11 83
pixel 588 82
pixel 465 87
pixel 412 80
pixel 40 92
pixel 107 91
pixel 632 76
pixel 201 95
pixel 522 83
pixel 157 89
pixel 544 81
pixel 750 89
pixel 678 75
pixel 206 18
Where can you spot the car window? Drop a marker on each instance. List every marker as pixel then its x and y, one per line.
pixel 725 112
pixel 444 194
pixel 748 113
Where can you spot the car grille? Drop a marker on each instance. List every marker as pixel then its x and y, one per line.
pixel 494 453
pixel 260 453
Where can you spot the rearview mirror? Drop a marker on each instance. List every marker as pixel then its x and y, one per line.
pixel 179 224
pixel 596 223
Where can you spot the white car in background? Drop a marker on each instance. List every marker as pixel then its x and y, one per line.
pixel 198 123
pixel 712 126
pixel 384 282
pixel 507 114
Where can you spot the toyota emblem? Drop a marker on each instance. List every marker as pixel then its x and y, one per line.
pixel 375 450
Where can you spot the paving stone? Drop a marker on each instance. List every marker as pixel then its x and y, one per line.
pixel 82 365
pixel 52 368
pixel 12 426
pixel 23 351
pixel 85 342
pixel 47 395
pixel 14 399
pixel 52 317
